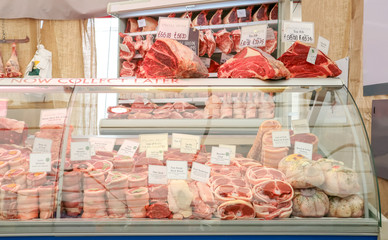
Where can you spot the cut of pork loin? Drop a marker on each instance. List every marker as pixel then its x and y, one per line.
pixel 137 201
pixel 295 60
pixel 216 18
pixel 231 17
pixel 202 44
pixel 158 210
pixel 12 67
pixel 171 59
pixel 129 53
pixel 236 209
pixel 248 15
pixel 253 63
pixel 224 41
pixel 261 13
pixel 200 19
pixel 273 15
pixel 36 179
pixel 94 203
pixel 210 42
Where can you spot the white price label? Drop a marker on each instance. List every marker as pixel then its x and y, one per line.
pixel 200 172
pixel 323 45
pixel 153 141
pixel 189 146
pixel 53 116
pixel 128 148
pixel 177 138
pixel 40 162
pixel 225 57
pixel 157 174
pixel 141 23
pixel 80 151
pixel 312 55
pixel 305 149
pixel 270 34
pixel 157 153
pixel 253 36
pixel 206 61
pixel 232 149
pixel 123 47
pixel 174 28
pixel 42 145
pixel 281 139
pixel 300 126
pixel 298 31
pixel 177 170
pixel 220 156
pixel 241 13
pixel 102 144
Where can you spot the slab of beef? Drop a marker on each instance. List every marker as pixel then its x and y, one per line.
pixel 253 63
pixel 128 69
pixel 271 44
pixel 214 66
pixel 231 17
pixel 200 19
pixel 210 42
pixel 310 203
pixel 137 201
pixel 28 204
pixel 224 41
pixel 171 59
pixel 235 210
pixel 158 210
pixel 248 15
pixel 216 18
pixel 13 131
pixel 132 26
pixel 12 67
pixel 295 61
pixel 261 13
pixel 127 52
pixel 273 15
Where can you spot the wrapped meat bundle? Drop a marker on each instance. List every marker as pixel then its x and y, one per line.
pixel 71 192
pixel 36 179
pixel 340 181
pixel 351 206
pixel 301 172
pixel 123 164
pixel 179 199
pixel 19 162
pixel 28 204
pixel 104 166
pixel 94 180
pixel 16 175
pixel 310 203
pixel 47 200
pixel 117 186
pixel 94 203
pixel 136 180
pixel 137 201
pixel 8 201
pixel 8 155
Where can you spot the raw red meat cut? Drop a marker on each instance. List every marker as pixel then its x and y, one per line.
pixel 187 15
pixel 158 191
pixel 171 15
pixel 210 42
pixel 261 13
pixel 132 26
pixel 13 131
pixel 201 209
pixel 236 36
pixel 136 180
pixel 231 17
pixel 216 18
pixel 217 181
pixel 214 66
pixel 295 60
pixel 171 59
pixel 117 187
pixel 256 174
pixel 273 15
pixel 271 44
pixel 224 193
pixel 146 44
pixel 151 24
pixel 127 52
pixel 158 210
pixel 2 70
pixel 236 209
pixel 202 44
pixel 200 19
pixel 12 67
pixel 224 42
pixel 253 63
pixel 305 138
pixel 248 15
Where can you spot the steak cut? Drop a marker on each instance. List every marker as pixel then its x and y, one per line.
pixel 295 60
pixel 127 69
pixel 128 51
pixel 236 209
pixel 224 42
pixel 236 36
pixel 216 18
pixel 253 63
pixel 202 44
pixel 171 59
pixel 231 17
pixel 261 13
pixel 273 15
pixel 200 19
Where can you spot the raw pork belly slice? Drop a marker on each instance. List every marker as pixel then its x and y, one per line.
pixel 236 209
pixel 257 174
pixel 253 63
pixel 2 70
pixel 179 199
pixel 151 24
pixel 236 36
pixel 28 204
pixel 47 200
pixel 216 19
pixel 271 44
pixel 224 42
pixel 273 15
pixel 8 203
pixel 13 131
pixel 132 26
pixel 12 67
pixel 202 44
pixel 200 19
pixel 295 60
pixel 171 59
pixel 261 13
pixel 128 69
pixel 127 41
pixel 158 210
pixel 266 126
pixel 231 17
pixel 137 201
pixel 248 15
pixel 94 203
pixel 210 42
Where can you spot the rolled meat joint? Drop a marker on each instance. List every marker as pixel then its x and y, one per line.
pixel 16 175
pixel 227 106
pixel 132 26
pixel 19 162
pixel 94 203
pixel 8 203
pixel 310 203
pixel 137 202
pixel 94 180
pixel 36 179
pixel 136 180
pixel 4 167
pixel 348 207
pixel 302 172
pixel 28 204
pixel 123 164
pixel 305 138
pixel 236 210
pixel 47 200
pixel 103 165
pixel 270 155
pixel 117 186
pixel 72 192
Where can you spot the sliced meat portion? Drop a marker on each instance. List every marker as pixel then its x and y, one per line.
pixel 210 42
pixel 94 203
pixel 248 15
pixel 224 193
pixel 132 26
pixel 231 17
pixel 236 209
pixel 200 19
pixel 158 192
pixel 158 210
pixel 216 18
pixel 128 69
pixel 127 51
pixel 273 15
pixel 224 41
pixel 261 13
pixel 171 15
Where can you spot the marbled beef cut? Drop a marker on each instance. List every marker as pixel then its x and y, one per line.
pixel 216 18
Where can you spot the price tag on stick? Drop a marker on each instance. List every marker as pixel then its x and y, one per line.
pixel 298 31
pixel 323 45
pixel 220 156
pixel 312 55
pixel 40 162
pixel 177 170
pixel 281 139
pixel 253 36
pixel 174 28
pixel 42 145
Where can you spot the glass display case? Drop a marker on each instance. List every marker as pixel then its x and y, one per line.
pixel 184 157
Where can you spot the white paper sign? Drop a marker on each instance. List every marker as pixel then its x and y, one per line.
pixel 323 45
pixel 157 174
pixel 153 141
pixel 177 138
pixel 128 148
pixel 312 55
pixel 206 61
pixel 232 149
pixel 241 13
pixel 102 144
pixel 80 151
pixel 141 23
pixel 220 156
pixel 42 145
pixel 305 149
pixel 298 31
pixel 300 126
pixel 270 34
pixel 123 47
pixel 200 172
pixel 174 28
pixel 177 170
pixel 189 146
pixel 40 162
pixel 225 57
pixel 253 36
pixel 281 139
pixel 53 116
pixel 155 153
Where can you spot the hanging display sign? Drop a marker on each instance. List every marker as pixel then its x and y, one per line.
pixel 298 31
pixel 53 116
pixel 253 36
pixel 174 28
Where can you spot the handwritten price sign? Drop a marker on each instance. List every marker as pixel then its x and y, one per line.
pixel 298 31
pixel 174 28
pixel 253 36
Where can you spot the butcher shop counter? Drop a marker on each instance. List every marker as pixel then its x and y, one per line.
pixel 111 179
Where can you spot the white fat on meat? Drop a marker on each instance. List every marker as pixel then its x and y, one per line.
pixel 180 198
